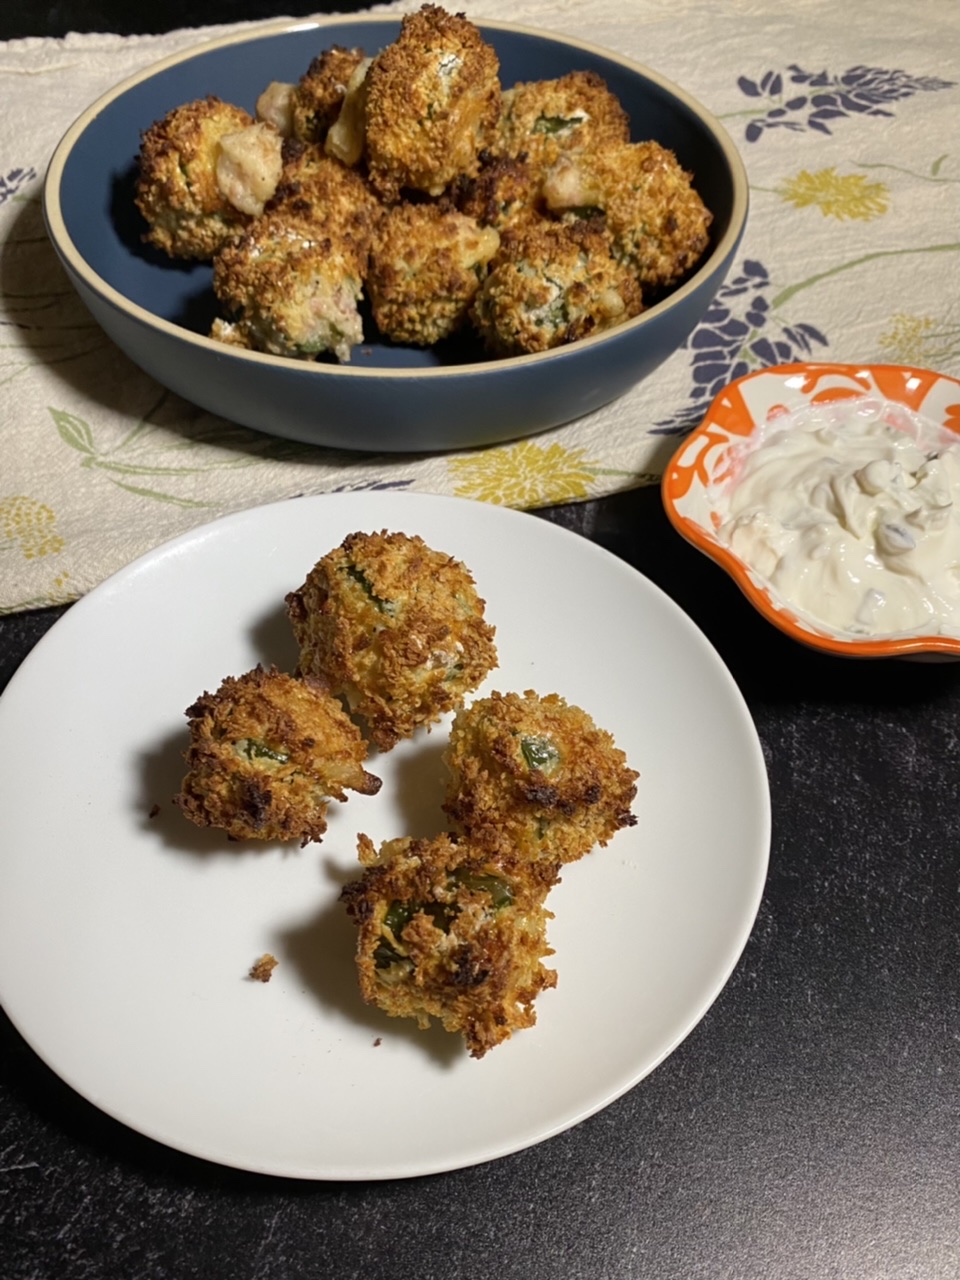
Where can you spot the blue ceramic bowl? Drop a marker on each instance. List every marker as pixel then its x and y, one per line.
pixel 388 398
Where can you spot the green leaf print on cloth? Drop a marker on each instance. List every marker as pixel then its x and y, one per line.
pixel 153 461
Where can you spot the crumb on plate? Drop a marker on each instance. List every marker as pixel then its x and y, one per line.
pixel 262 969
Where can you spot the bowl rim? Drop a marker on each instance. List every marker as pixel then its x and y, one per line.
pixel 729 417
pixel 63 241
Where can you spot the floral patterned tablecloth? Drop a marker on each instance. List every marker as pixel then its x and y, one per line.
pixel 846 117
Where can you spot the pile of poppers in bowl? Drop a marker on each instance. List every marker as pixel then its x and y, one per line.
pixel 391 637
pixel 412 185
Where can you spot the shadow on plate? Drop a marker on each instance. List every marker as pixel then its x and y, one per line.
pixel 419 782
pixel 273 640
pixel 322 951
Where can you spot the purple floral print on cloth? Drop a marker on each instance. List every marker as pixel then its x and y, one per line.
pixel 822 98
pixel 13 180
pixel 738 334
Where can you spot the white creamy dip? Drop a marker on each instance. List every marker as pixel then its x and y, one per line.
pixel 851 513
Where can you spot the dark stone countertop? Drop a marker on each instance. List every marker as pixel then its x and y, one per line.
pixel 807 1129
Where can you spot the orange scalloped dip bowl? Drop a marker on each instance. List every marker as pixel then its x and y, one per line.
pixel 693 484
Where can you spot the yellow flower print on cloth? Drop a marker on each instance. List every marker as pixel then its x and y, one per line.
pixel 837 195
pixel 919 340
pixel 30 526
pixel 525 475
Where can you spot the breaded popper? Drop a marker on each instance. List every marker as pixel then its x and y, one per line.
pixel 289 289
pixel 542 119
pixel 446 932
pixel 432 103
pixel 267 754
pixel 536 777
pixel 550 284
pixel 393 627
pixel 426 264
pixel 319 94
pixel 204 172
pixel 656 220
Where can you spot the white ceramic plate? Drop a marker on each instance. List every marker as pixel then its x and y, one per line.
pixel 125 939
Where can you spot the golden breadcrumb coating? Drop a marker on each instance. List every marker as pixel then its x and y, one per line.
pixel 550 284
pixel 231 334
pixel 391 154
pixel 432 103
pixel 535 776
pixel 657 221
pixel 395 628
pixel 319 93
pixel 426 263
pixel 189 216
pixel 505 193
pixel 262 970
pixel 446 932
pixel 318 187
pixel 541 119
pixel 291 287
pixel 267 753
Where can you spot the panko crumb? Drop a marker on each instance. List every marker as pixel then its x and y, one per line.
pixel 262 970
pixel 319 94
pixel 657 222
pixel 321 189
pixel 505 193
pixel 542 119
pixel 291 288
pixel 292 282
